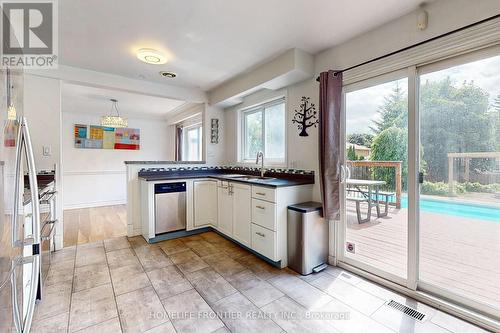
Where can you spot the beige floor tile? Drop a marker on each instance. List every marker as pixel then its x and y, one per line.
pixel 140 310
pixel 129 278
pixel 90 276
pixel 108 326
pixel 234 251
pixel 55 324
pixel 258 291
pixel 191 238
pixel 210 284
pixel 91 245
pixel 90 256
pixel 454 324
pixel 248 319
pixel 60 272
pixel 203 248
pixel 343 275
pixel 259 267
pixel 301 292
pixel 212 237
pixel 293 318
pixel 67 253
pixel 152 258
pixel 188 261
pixel 163 328
pixel 172 246
pixel 120 258
pixel 346 319
pixel 399 322
pixel 137 241
pixel 224 265
pixel 117 243
pixel 55 300
pixel 358 299
pixel 92 306
pixel 168 281
pixel 191 314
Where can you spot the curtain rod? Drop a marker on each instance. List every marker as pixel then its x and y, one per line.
pixel 419 43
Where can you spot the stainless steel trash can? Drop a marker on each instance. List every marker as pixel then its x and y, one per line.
pixel 307 238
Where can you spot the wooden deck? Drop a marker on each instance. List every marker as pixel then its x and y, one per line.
pixel 458 254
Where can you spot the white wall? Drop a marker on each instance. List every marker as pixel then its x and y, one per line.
pixel 42 108
pixel 302 152
pixel 444 16
pixel 97 177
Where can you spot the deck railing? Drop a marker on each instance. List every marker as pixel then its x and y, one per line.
pixel 397 165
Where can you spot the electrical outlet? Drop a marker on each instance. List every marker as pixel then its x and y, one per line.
pixel 47 151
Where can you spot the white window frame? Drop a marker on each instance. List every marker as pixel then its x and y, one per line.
pixel 185 141
pixel 242 158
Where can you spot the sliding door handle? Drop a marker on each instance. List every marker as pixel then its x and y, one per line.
pixel 421 177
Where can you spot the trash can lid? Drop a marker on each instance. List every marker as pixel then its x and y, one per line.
pixel 307 207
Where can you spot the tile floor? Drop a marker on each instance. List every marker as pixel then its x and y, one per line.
pixel 205 283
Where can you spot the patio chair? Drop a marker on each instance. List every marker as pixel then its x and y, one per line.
pixel 358 201
pixel 386 196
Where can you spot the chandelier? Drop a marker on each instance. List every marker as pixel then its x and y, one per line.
pixel 112 120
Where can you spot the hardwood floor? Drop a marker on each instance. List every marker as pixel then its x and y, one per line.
pixel 89 225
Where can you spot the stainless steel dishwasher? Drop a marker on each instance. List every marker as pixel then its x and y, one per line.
pixel 170 207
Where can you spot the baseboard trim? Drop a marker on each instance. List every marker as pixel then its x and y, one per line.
pixel 94 204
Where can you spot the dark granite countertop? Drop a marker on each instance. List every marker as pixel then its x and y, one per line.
pixel 280 179
pixel 165 162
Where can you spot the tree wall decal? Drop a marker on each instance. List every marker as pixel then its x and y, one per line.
pixel 305 117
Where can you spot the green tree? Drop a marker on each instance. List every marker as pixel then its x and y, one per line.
pixel 351 154
pixel 393 112
pixel 362 139
pixel 453 119
pixel 390 145
pixel 496 120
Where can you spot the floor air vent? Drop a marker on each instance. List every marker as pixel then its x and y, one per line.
pixel 412 313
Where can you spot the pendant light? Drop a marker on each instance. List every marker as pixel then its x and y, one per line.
pixel 112 120
pixel 11 109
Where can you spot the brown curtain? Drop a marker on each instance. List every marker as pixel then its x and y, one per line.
pixel 178 143
pixel 330 98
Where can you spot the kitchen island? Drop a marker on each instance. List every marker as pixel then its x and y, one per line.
pixel 233 201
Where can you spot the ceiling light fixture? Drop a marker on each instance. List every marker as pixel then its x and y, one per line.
pixel 151 56
pixel 169 75
pixel 111 120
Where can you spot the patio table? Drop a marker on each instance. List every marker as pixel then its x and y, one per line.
pixel 372 186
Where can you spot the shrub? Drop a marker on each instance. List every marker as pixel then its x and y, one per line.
pixel 441 188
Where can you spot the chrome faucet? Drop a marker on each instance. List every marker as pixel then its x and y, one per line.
pixel 260 155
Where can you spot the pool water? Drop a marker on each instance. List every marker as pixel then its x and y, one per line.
pixel 462 209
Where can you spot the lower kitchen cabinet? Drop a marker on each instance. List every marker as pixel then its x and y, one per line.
pixel 205 202
pixel 242 210
pixel 225 208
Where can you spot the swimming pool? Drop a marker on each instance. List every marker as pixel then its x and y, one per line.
pixel 462 209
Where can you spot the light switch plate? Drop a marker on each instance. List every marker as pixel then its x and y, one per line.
pixel 47 151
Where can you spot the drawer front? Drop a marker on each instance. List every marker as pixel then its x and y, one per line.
pixel 264 193
pixel 264 241
pixel 264 214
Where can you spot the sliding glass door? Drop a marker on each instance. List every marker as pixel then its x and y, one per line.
pixel 375 160
pixel 459 107
pixel 421 179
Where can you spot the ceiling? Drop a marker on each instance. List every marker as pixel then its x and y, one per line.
pixel 208 41
pixel 92 100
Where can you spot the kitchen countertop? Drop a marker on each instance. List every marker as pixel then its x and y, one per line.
pixel 165 162
pixel 280 180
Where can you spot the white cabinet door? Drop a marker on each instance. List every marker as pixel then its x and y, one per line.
pixel 205 202
pixel 242 208
pixel 225 211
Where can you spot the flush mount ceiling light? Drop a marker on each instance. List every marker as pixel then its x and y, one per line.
pixel 112 120
pixel 151 56
pixel 169 75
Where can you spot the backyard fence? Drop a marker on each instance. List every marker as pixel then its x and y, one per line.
pixel 365 170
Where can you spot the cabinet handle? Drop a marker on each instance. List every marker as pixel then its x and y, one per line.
pixel 260 207
pixel 260 193
pixel 260 234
